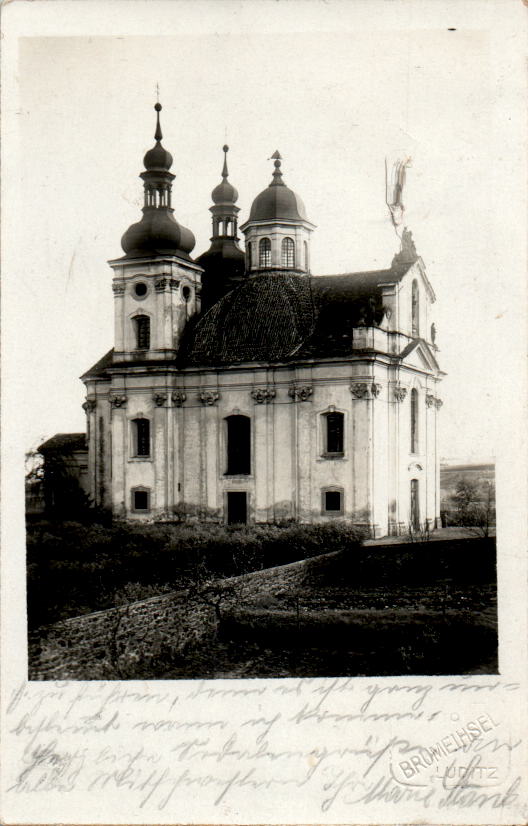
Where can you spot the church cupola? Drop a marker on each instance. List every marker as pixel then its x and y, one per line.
pixel 158 232
pixel 278 231
pixel 224 261
pixel 156 284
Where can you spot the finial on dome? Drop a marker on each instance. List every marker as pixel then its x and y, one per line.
pixel 158 133
pixel 277 174
pixel 225 150
pixel 225 193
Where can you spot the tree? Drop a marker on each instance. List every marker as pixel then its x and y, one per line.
pixel 474 505
pixel 50 475
pixel 464 498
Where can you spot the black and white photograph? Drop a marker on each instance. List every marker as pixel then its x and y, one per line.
pixel 267 339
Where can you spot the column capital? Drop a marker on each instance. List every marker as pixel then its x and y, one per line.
pixel 118 401
pixel 208 397
pixel 300 393
pixel 159 399
pixel 430 400
pixel 262 395
pixel 178 398
pixel 360 389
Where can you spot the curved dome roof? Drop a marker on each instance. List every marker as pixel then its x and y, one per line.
pixel 278 200
pixel 225 193
pixel 266 319
pixel 157 158
pixel 158 233
pixel 221 251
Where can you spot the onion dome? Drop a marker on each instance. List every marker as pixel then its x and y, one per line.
pixel 278 200
pixel 157 158
pixel 224 262
pixel 225 193
pixel 158 232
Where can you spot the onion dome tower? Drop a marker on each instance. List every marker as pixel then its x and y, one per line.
pixel 156 284
pixel 224 261
pixel 158 232
pixel 278 231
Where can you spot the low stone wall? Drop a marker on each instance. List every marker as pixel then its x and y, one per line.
pixel 99 646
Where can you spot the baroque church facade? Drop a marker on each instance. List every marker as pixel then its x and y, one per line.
pixel 242 388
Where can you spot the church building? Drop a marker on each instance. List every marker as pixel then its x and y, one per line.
pixel 241 388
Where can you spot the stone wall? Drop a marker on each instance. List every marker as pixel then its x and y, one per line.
pixel 99 646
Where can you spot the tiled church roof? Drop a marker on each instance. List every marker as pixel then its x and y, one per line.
pixel 285 317
pixel 280 317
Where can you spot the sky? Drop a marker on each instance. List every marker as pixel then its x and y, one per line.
pixel 337 92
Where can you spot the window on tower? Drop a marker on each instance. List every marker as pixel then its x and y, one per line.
pixel 248 254
pixel 142 325
pixel 288 252
pixel 141 437
pixel 333 434
pixel 265 252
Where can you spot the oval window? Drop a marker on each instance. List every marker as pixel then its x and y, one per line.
pixel 140 289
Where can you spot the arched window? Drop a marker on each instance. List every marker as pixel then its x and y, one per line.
pixel 142 325
pixel 415 309
pixel 248 255
pixel 333 434
pixel 414 421
pixel 141 437
pixel 287 253
pixel 238 445
pixel 306 261
pixel 265 252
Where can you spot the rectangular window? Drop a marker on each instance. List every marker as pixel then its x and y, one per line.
pixel 334 433
pixel 238 445
pixel 142 323
pixel 140 500
pixel 265 252
pixel 142 437
pixel 333 500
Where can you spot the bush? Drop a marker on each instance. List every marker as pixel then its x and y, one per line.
pixel 74 568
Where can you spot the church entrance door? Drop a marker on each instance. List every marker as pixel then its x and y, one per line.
pixel 236 508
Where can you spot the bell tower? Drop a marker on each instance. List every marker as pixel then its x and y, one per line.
pixel 156 285
pixel 223 263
